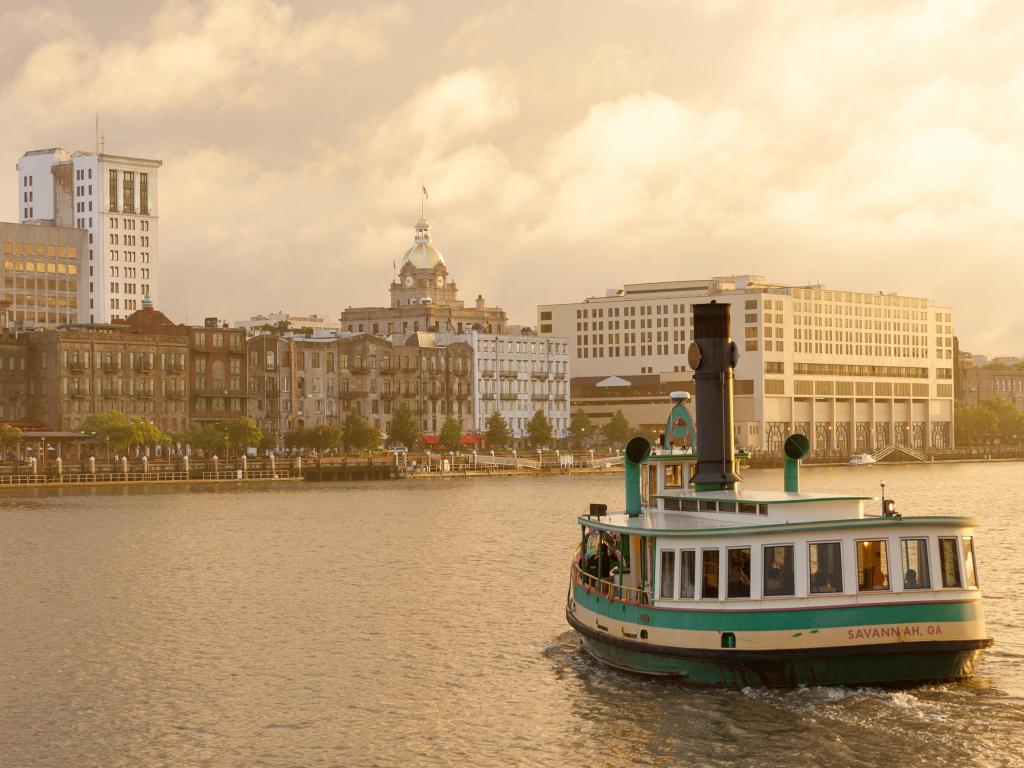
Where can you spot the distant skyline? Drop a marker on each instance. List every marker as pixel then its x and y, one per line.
pixel 567 147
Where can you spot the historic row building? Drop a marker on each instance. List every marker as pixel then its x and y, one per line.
pixel 853 371
pixel 311 381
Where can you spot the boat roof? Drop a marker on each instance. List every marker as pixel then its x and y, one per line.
pixel 671 523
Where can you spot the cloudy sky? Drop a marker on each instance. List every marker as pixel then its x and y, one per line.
pixel 568 146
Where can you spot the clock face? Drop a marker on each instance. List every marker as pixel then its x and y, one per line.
pixel 408 280
pixel 440 281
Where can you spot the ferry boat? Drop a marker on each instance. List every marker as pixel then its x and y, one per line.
pixel 863 458
pixel 722 586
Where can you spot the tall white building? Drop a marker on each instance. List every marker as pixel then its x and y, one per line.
pixel 518 376
pixel 853 371
pixel 114 199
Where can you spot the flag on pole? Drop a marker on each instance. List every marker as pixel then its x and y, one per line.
pixel 425 195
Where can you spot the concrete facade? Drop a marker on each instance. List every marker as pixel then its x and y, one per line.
pixel 853 371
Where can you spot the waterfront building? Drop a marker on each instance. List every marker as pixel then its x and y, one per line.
pixel 518 376
pixel 40 274
pixel 14 399
pixel 424 297
pixel 852 371
pixel 76 371
pixel 114 199
pixel 282 321
pixel 310 381
pixel 992 380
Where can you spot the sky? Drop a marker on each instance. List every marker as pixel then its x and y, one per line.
pixel 568 147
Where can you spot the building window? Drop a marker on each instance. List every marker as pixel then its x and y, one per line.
pixel 144 194
pixel 128 192
pixel 112 191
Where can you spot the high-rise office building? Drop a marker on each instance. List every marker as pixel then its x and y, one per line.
pixel 114 199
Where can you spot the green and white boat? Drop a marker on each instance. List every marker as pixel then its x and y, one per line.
pixel 728 587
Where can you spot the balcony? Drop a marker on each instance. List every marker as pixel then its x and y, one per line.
pixel 389 370
pixel 175 395
pixel 539 375
pixel 434 395
pixel 270 367
pixel 111 366
pixel 486 374
pixel 359 368
pixel 79 395
pixel 147 394
pixel 509 374
pixel 76 365
pixel 388 395
pixel 142 368
pixel 489 396
pixel 509 396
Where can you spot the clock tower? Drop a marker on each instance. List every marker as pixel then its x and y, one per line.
pixel 423 277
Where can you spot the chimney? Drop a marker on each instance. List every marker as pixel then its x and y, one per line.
pixel 713 355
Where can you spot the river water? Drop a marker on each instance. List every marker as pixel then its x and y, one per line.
pixel 421 623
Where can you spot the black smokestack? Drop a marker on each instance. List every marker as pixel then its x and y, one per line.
pixel 713 355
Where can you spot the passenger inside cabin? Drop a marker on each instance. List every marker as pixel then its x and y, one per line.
pixel 910 579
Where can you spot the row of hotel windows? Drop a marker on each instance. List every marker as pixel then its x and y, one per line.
pixel 700 574
pixel 41 267
pixel 51 250
pixel 541 347
pixel 118 387
pixel 855 388
pixel 305 360
pixel 131 224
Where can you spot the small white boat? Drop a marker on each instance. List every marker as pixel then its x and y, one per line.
pixel 863 458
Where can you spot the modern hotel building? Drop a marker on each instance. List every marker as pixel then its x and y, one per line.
pixel 853 371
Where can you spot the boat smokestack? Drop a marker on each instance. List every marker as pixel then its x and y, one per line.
pixel 636 451
pixel 713 355
pixel 796 448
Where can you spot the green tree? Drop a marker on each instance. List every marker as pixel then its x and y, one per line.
pixel 357 434
pixel 204 436
pixel 324 438
pixel 113 429
pixel 9 436
pixel 243 433
pixel 147 433
pixel 617 429
pixel 268 442
pixel 405 427
pixel 497 435
pixel 451 434
pixel 580 428
pixel 538 430
pixel 296 438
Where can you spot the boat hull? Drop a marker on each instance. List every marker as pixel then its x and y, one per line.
pixel 890 664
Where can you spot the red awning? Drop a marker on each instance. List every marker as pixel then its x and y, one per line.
pixel 430 439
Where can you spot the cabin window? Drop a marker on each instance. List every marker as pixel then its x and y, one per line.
pixel 748 509
pixel 668 575
pixel 872 566
pixel 673 503
pixel 727 506
pixel 708 506
pixel 739 572
pixel 825 561
pixel 778 570
pixel 948 563
pixel 915 564
pixel 709 574
pixel 687 573
pixel 690 505
pixel 673 476
pixel 970 566
pixel 762 509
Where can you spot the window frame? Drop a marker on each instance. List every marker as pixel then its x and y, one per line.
pixel 764 565
pixel 887 563
pixel 970 574
pixel 811 592
pixel 750 572
pixel 718 574
pixel 942 570
pixel 927 564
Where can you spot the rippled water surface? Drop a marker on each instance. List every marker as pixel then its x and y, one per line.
pixel 421 623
